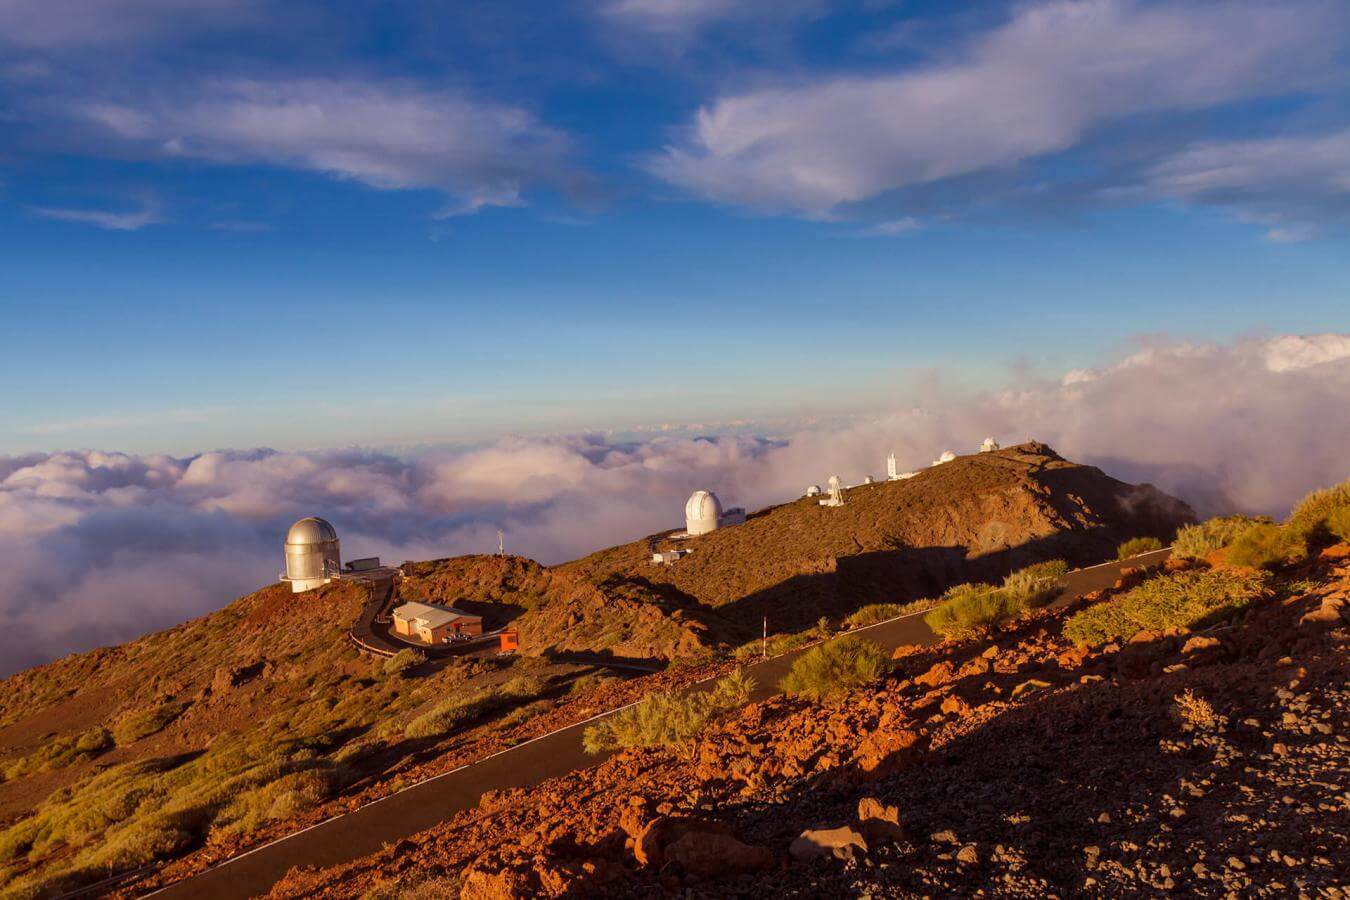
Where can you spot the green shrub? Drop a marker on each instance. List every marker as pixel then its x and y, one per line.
pixel 403 661
pixel 665 720
pixel 1137 547
pixel 778 644
pixel 145 722
pixel 1036 584
pixel 972 611
pixel 1312 516
pixel 1199 541
pixel 1267 547
pixel 967 609
pixel 1338 523
pixel 833 669
pixel 1188 599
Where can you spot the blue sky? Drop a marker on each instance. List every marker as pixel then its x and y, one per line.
pixel 245 222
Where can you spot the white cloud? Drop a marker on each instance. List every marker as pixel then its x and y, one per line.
pixel 682 19
pixel 1288 183
pixel 385 134
pixel 1034 86
pixel 99 547
pixel 112 220
pixel 72 24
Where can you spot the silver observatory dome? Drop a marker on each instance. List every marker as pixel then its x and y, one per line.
pixel 313 554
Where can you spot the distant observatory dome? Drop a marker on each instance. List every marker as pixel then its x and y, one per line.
pixel 702 512
pixel 989 445
pixel 813 491
pixel 946 457
pixel 313 555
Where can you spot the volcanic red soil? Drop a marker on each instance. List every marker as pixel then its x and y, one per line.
pixel 1016 765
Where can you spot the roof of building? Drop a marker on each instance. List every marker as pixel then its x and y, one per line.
pixel 311 530
pixel 433 616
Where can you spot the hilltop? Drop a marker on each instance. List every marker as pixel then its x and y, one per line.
pixel 975 518
pixel 208 738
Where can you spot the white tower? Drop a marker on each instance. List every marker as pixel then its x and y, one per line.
pixel 836 497
pixel 313 556
pixel 989 445
pixel 702 512
pixel 891 470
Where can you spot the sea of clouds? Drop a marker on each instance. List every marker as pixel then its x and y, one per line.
pixel 97 547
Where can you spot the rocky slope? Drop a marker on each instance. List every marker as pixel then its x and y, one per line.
pixel 1210 764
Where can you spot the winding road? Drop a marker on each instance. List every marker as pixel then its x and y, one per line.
pixel 416 808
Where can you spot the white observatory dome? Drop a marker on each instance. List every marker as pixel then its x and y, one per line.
pixel 989 445
pixel 946 457
pixel 702 512
pixel 813 491
pixel 313 554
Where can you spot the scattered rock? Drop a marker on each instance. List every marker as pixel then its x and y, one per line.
pixel 815 843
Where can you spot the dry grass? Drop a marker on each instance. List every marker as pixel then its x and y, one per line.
pixel 1199 541
pixel 1194 713
pixel 1267 547
pixel 1137 547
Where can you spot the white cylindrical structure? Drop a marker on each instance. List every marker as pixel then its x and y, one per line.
pixel 813 491
pixel 313 555
pixel 702 512
pixel 989 445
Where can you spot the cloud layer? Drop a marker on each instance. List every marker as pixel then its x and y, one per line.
pixel 99 547
pixel 1036 85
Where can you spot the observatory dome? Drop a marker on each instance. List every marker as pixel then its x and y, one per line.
pixel 311 530
pixel 313 555
pixel 702 512
pixel 946 457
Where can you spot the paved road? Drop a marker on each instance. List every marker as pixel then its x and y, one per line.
pixel 421 806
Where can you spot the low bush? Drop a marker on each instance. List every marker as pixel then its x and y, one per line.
pixel 1187 599
pixel 1199 541
pixel 667 721
pixel 972 611
pixel 1312 517
pixel 1267 547
pixel 778 644
pixel 1036 584
pixel 833 669
pixel 403 662
pixel 145 722
pixel 1338 523
pixel 60 752
pixel 1194 713
pixel 1138 546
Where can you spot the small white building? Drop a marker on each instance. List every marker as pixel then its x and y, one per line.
pixel 989 445
pixel 668 557
pixel 813 491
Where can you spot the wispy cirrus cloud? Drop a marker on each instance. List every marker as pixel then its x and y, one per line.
pixel 384 134
pixel 1034 86
pixel 147 214
pixel 683 19
pixel 1290 183
pixel 80 24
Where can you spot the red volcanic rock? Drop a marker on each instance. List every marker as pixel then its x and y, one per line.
pixel 938 675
